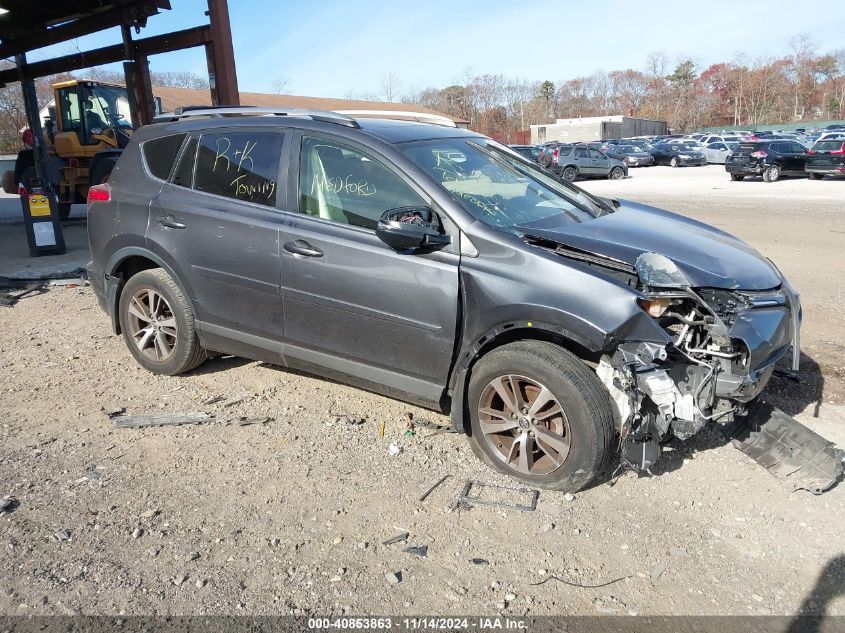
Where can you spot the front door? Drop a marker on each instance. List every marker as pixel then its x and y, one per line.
pixel 352 304
pixel 218 220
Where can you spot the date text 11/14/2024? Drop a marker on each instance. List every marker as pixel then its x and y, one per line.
pixel 420 623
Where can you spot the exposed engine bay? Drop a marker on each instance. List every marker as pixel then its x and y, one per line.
pixel 722 349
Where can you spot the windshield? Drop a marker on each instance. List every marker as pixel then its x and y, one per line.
pixel 631 149
pixel 110 104
pixel 496 186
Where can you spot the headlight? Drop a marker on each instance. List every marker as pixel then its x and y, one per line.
pixel 655 307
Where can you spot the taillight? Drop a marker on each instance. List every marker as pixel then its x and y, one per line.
pixel 811 151
pixel 760 154
pixel 99 193
pixel 554 156
pixel 840 151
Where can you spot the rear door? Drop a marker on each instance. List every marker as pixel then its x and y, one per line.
pixel 352 304
pixel 218 218
pixel 583 161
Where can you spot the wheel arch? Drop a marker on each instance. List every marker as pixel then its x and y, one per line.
pixel 124 264
pixel 583 348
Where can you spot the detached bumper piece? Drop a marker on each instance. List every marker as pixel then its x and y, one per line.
pixel 791 451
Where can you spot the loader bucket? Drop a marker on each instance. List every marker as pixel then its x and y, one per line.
pixel 790 451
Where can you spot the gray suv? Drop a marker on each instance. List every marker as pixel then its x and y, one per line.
pixel 434 265
pixel 574 161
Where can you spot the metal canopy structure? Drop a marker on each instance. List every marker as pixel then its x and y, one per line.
pixel 28 25
pixel 24 28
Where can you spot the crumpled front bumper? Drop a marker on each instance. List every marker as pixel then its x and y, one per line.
pixel 767 331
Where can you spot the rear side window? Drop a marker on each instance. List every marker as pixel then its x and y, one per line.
pixel 159 154
pixel 184 174
pixel 239 165
pixel 829 146
pixel 564 150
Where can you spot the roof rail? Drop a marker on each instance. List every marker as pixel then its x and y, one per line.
pixel 422 117
pixel 223 111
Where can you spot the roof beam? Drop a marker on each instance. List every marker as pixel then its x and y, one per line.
pixel 188 38
pixel 138 11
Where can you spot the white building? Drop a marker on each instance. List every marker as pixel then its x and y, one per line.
pixel 596 128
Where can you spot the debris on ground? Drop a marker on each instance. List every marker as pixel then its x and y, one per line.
pixel 791 451
pixel 417 550
pixel 348 420
pixel 481 562
pixel 61 535
pixel 579 585
pixel 114 411
pixel 160 419
pixel 402 536
pixel 393 578
pixel 7 504
pixel 24 288
pixel 214 399
pixel 433 488
pixel 499 496
pixel 244 421
pixel 394 449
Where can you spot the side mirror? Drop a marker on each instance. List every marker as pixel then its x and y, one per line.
pixel 410 228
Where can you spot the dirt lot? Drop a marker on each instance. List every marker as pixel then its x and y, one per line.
pixel 290 515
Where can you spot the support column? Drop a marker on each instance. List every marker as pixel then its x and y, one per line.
pixel 136 71
pixel 222 76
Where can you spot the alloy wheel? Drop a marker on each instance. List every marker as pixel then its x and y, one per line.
pixel 152 325
pixel 524 425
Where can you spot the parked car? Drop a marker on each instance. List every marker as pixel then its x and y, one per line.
pixel 548 154
pixel 717 138
pixel 434 265
pixel 574 161
pixel 531 152
pixel 717 152
pixel 770 158
pixel 676 154
pixel 826 157
pixel 635 156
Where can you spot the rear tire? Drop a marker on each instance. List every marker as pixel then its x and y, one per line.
pixel 617 173
pixel 577 438
pixel 569 174
pixel 158 324
pixel 737 177
pixel 771 174
pixel 815 176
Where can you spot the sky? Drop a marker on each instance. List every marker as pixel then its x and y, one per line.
pixel 334 48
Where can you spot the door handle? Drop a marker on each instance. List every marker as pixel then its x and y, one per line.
pixel 303 248
pixel 170 222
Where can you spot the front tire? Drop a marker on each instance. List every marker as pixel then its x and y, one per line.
pixel 158 324
pixel 674 162
pixel 540 415
pixel 617 173
pixel 737 177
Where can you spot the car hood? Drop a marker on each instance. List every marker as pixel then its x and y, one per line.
pixel 709 257
pixel 640 155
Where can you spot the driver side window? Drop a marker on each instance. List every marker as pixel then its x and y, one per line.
pixel 344 185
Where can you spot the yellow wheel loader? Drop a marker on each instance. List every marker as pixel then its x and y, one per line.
pixel 87 129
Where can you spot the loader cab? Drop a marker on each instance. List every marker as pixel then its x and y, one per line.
pixel 90 117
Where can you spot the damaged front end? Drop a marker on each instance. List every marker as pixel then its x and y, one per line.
pixel 722 349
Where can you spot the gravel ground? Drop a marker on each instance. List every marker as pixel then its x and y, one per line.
pixel 290 515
